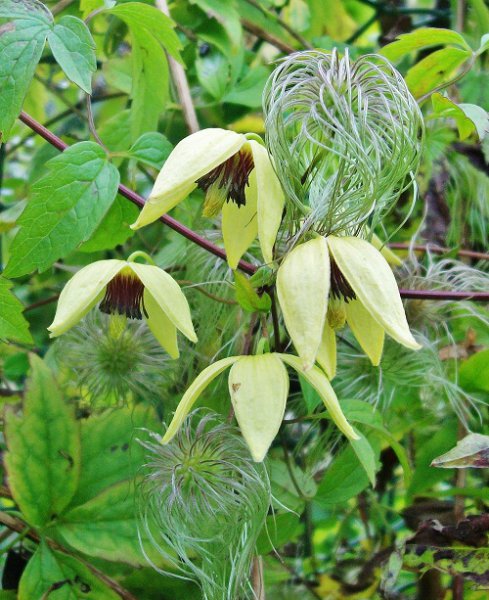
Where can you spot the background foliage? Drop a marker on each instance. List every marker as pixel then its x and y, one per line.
pixel 374 520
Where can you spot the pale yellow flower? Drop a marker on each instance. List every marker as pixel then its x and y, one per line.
pixel 259 386
pixel 238 178
pixel 131 289
pixel 327 282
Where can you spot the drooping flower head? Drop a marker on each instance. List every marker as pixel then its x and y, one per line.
pixel 345 138
pixel 131 289
pixel 259 388
pixel 237 176
pixel 209 501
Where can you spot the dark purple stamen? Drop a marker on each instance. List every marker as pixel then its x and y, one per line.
pixel 232 175
pixel 340 288
pixel 124 296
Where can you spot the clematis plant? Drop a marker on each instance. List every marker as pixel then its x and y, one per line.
pixel 237 176
pixel 131 289
pixel 328 281
pixel 259 386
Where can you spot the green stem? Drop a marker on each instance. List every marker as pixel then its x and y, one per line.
pixel 141 254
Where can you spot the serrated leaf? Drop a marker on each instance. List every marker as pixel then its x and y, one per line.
pixel 65 208
pixel 110 451
pixel 22 41
pixel 435 70
pixel 105 526
pixel 471 451
pixel 425 37
pixel 152 149
pixel 43 458
pixel 13 325
pixel 73 48
pixel 65 576
pixel 247 297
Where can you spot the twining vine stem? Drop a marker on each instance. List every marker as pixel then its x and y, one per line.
pixel 244 266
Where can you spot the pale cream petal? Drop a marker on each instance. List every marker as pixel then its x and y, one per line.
pixel 168 295
pixel 240 224
pixel 327 351
pixel 160 325
pixel 82 292
pixel 369 333
pixel 259 386
pixel 192 394
pixel 386 252
pixel 270 202
pixel 374 284
pixel 303 281
pixel 322 386
pixel 191 158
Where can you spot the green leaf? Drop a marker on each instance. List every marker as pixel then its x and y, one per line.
pixel 469 562
pixel 60 577
pixel 468 117
pixel 366 455
pixel 151 149
pixel 213 73
pixel 147 18
pixel 110 451
pixel 152 34
pixel 114 228
pixel 106 526
pixel 478 116
pixel 224 11
pixel 284 486
pixel 21 44
pixel 481 14
pixel 74 49
pixel 428 447
pixel 248 92
pixel 471 451
pixel 484 45
pixel 43 458
pixel 474 372
pixel 149 83
pixel 435 70
pixel 13 324
pixel 344 478
pixel 278 530
pixel 247 296
pixel 65 208
pixel 425 37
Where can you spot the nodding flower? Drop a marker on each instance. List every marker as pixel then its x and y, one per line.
pixel 259 386
pixel 131 289
pixel 329 281
pixel 238 178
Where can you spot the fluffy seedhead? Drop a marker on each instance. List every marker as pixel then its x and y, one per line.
pixel 345 137
pixel 203 502
pixel 110 361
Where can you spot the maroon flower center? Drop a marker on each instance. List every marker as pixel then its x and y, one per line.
pixel 340 288
pixel 231 177
pixel 124 296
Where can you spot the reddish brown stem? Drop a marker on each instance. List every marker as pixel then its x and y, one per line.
pixel 247 267
pixel 438 250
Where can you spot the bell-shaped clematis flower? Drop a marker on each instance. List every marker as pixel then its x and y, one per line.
pixel 237 176
pixel 327 282
pixel 131 289
pixel 259 386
